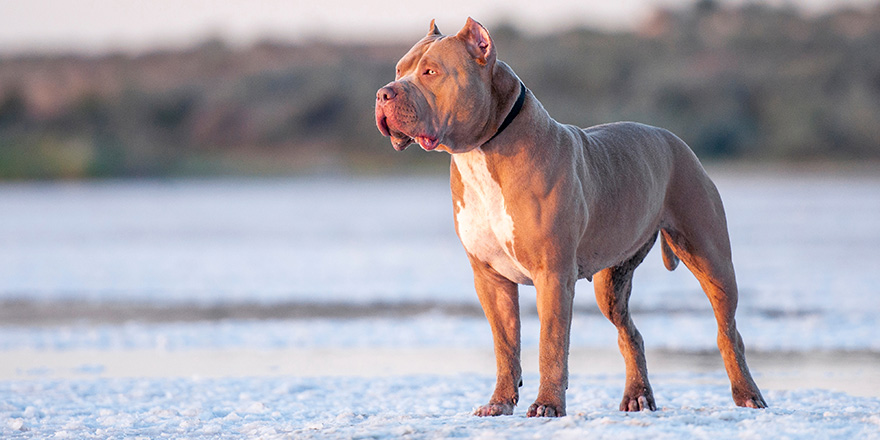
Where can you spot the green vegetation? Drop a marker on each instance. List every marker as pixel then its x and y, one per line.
pixel 753 83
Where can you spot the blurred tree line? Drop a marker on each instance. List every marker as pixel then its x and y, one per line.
pixel 747 83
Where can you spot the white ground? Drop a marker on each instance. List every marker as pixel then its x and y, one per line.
pixel 804 246
pixel 422 406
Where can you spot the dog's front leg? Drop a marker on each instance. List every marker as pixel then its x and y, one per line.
pixel 555 296
pixel 500 300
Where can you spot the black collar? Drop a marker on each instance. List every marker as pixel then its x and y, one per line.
pixel 517 106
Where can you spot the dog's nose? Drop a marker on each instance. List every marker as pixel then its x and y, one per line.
pixel 385 94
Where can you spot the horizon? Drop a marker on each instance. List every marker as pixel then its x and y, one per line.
pixel 109 26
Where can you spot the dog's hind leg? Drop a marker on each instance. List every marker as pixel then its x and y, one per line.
pixel 613 287
pixel 696 230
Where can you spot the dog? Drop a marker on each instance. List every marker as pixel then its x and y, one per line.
pixel 541 203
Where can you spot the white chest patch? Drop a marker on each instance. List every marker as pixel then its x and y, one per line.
pixel 484 225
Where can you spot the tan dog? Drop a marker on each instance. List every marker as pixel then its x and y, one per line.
pixel 538 202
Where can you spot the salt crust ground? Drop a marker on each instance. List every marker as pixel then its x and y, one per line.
pixel 408 407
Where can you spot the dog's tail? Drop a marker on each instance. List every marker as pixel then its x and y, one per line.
pixel 670 260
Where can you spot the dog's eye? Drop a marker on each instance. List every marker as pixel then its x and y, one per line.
pixel 430 72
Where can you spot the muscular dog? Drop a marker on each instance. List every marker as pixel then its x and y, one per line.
pixel 542 203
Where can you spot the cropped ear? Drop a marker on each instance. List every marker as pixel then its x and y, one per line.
pixel 478 41
pixel 433 31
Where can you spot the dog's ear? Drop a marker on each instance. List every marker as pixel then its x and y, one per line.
pixel 433 31
pixel 478 41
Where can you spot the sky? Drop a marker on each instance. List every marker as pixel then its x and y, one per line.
pixel 95 26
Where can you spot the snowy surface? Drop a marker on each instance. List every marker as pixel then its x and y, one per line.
pixel 804 247
pixel 405 407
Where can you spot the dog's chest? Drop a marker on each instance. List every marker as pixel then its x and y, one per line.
pixel 485 226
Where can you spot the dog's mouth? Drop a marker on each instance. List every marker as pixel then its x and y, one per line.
pixel 400 140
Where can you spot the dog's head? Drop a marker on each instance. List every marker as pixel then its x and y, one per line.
pixel 442 95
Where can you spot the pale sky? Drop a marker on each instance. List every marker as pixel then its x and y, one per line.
pixel 136 25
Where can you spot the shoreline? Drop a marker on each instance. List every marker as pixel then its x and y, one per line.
pixel 853 373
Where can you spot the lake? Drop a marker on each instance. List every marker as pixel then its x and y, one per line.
pixel 804 244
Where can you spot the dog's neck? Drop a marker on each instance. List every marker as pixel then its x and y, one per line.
pixel 508 98
pixel 517 106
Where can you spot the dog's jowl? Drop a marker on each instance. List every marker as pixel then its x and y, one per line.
pixel 543 203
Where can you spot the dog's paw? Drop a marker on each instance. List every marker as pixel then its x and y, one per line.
pixel 754 401
pixel 542 410
pixel 494 409
pixel 643 401
pixel 747 395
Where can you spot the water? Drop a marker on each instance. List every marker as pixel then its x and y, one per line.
pixel 229 240
pixel 804 247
